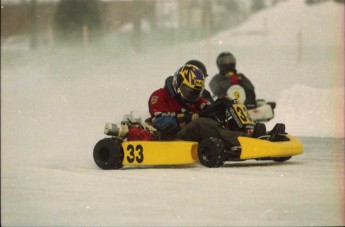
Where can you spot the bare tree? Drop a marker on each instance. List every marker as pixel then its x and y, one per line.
pixel 74 15
pixel 34 27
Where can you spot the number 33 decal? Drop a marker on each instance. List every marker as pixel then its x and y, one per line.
pixel 243 114
pixel 136 154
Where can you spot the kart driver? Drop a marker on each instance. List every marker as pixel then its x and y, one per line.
pixel 228 76
pixel 176 110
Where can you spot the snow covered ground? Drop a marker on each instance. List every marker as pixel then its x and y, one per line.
pixel 54 106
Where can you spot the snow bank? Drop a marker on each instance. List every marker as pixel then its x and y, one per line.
pixel 311 112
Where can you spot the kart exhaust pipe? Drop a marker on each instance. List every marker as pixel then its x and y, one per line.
pixel 117 130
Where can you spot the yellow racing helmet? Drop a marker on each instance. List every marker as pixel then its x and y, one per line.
pixel 188 83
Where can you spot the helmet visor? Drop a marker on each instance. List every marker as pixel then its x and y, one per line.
pixel 225 60
pixel 189 94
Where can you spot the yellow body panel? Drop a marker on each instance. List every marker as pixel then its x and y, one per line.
pixel 256 148
pixel 159 153
pixel 185 152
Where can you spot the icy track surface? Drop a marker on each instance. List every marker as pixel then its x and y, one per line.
pixel 303 191
pixel 54 105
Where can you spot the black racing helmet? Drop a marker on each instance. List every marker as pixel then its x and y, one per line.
pixel 226 62
pixel 198 64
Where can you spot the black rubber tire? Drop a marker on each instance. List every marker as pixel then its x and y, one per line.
pixel 108 153
pixel 211 152
pixel 282 159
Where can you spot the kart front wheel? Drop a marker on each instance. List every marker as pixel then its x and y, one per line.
pixel 108 153
pixel 211 152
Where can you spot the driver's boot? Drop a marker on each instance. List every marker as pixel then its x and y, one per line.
pixel 279 128
pixel 259 130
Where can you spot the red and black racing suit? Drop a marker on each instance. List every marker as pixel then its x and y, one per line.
pixel 177 121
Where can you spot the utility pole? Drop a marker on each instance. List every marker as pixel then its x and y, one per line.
pixel 34 26
pixel 207 24
pixel 137 14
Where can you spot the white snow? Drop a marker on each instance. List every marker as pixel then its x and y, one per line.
pixel 296 58
pixel 54 106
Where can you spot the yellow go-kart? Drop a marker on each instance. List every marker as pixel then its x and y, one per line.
pixel 123 149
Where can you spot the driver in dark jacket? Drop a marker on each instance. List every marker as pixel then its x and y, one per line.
pixel 228 76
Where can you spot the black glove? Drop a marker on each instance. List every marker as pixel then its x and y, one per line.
pixel 216 108
pixel 185 118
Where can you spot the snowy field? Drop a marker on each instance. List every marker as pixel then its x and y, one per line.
pixel 54 105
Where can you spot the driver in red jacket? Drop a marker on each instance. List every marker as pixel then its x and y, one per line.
pixel 176 109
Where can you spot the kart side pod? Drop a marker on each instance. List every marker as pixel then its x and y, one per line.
pixel 256 148
pixel 114 153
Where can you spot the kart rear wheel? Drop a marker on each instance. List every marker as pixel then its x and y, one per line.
pixel 211 152
pixel 282 159
pixel 108 153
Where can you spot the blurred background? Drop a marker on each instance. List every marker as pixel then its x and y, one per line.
pixel 112 54
pixel 137 23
